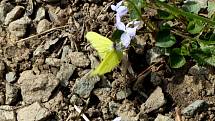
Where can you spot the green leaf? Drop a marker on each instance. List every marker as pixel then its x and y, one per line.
pixel 116 36
pixel 135 7
pixel 195 27
pixel 194 6
pixel 211 8
pixel 165 15
pixel 176 60
pixel 165 39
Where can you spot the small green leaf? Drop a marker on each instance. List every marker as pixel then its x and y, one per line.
pixel 195 27
pixel 135 7
pixel 116 36
pixel 176 60
pixel 194 6
pixel 165 39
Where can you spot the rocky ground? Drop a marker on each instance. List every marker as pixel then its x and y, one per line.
pixel 45 60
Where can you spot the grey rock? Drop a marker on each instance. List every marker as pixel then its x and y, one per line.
pixel 11 77
pixel 43 25
pixel 4 9
pixel 41 12
pixel 155 101
pixel 53 61
pixel 154 55
pixel 65 72
pixel 193 108
pixel 93 61
pixel 33 112
pixel 36 87
pixel 18 27
pixel 163 118
pixel 2 98
pixel 66 50
pixel 85 85
pixel 123 93
pixel 54 104
pixel 14 14
pixel 11 93
pixel 49 43
pixel 198 70
pixel 79 59
pixel 7 113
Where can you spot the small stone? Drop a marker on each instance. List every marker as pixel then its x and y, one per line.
pixel 85 85
pixel 11 93
pixel 14 14
pixel 33 112
pixel 36 87
pixel 163 118
pixel 75 100
pixel 18 27
pixel 113 107
pixel 79 59
pixel 4 9
pixel 2 98
pixel 53 61
pixel 66 50
pixel 66 71
pixel 7 113
pixel 41 12
pixel 155 101
pixel 11 77
pixel 198 70
pixel 103 94
pixel 122 94
pixel 193 108
pixel 43 25
pixel 54 104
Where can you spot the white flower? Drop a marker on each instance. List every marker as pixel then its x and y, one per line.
pixel 120 10
pixel 117 119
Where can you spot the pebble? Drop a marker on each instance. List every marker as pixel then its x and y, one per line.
pixel 18 27
pixel 54 104
pixel 75 100
pixel 155 101
pixel 122 94
pixel 14 14
pixel 193 108
pixel 65 72
pixel 11 77
pixel 85 85
pixel 2 98
pixel 43 25
pixel 7 113
pixel 163 118
pixel 79 59
pixel 4 9
pixel 41 12
pixel 154 55
pixel 11 93
pixel 33 112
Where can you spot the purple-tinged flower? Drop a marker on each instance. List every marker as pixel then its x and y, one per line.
pixel 129 32
pixel 120 10
pixel 117 119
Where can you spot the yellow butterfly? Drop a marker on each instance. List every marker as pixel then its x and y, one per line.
pixel 109 55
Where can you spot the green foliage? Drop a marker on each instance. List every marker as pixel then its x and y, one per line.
pixel 211 8
pixel 195 26
pixel 135 7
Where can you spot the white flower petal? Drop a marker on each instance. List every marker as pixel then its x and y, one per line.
pixel 113 7
pixel 119 4
pixel 125 39
pixel 120 25
pixel 122 10
pixel 117 119
pixel 131 31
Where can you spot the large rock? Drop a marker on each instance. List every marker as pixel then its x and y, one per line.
pixel 7 114
pixel 155 101
pixel 41 12
pixel 18 27
pixel 34 112
pixel 14 14
pixel 36 87
pixel 11 77
pixel 43 25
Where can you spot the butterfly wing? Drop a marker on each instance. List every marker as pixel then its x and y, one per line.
pixel 110 61
pixel 102 44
